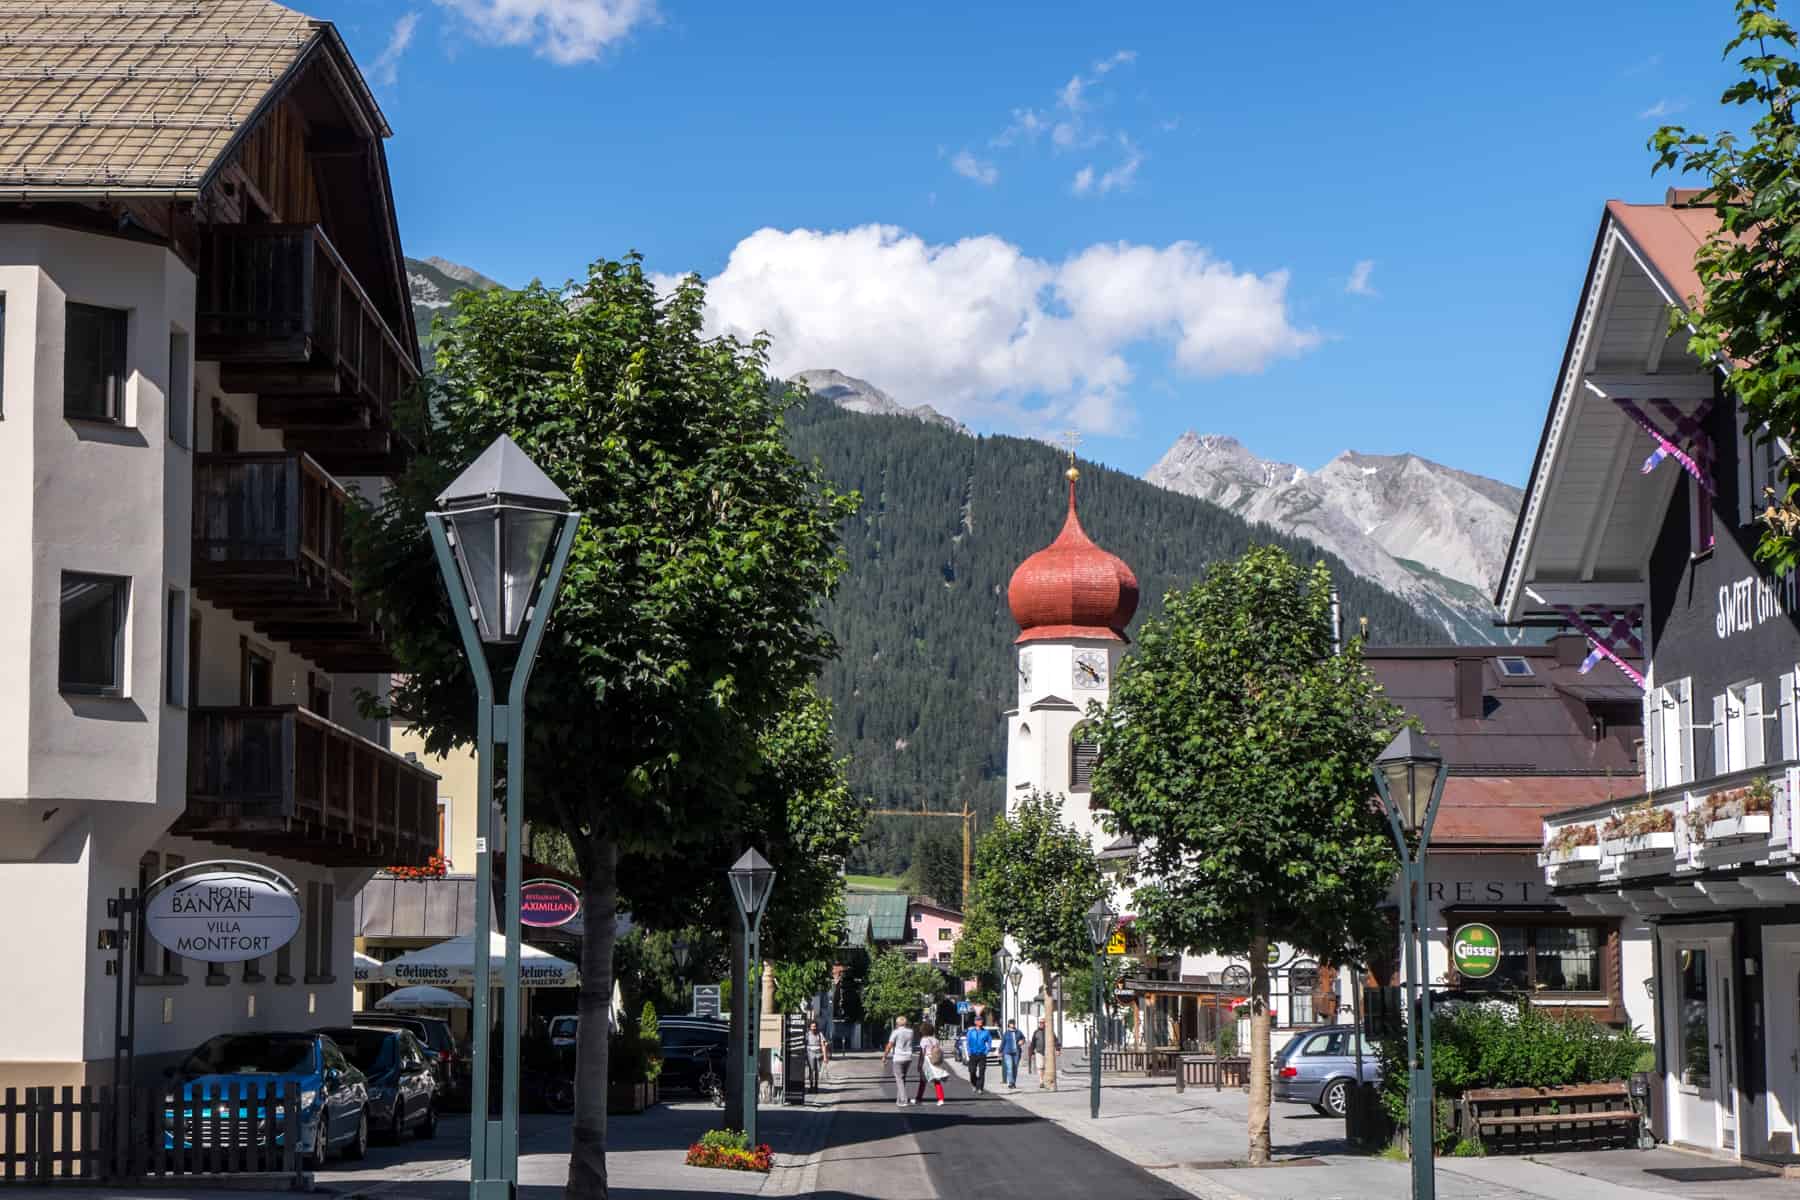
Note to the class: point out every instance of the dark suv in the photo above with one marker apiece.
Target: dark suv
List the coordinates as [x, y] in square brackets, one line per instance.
[449, 1066]
[690, 1045]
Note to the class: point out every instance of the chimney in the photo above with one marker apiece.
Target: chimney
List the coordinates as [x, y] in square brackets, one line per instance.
[1470, 698]
[1571, 649]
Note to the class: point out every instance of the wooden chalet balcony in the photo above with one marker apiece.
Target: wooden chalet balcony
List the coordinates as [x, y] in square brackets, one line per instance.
[270, 547]
[283, 781]
[286, 319]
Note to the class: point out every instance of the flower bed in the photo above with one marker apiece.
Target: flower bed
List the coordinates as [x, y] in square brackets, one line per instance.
[729, 1150]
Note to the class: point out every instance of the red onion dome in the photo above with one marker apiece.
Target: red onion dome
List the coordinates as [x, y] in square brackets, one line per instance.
[1072, 588]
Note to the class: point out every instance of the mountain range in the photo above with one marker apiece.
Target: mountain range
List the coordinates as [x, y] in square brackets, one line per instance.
[1432, 534]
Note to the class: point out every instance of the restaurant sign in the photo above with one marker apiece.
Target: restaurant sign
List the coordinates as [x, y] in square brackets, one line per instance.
[1475, 949]
[547, 903]
[222, 912]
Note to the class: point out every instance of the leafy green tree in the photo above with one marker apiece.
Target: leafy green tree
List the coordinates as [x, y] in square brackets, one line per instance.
[689, 609]
[898, 987]
[1748, 314]
[1037, 878]
[797, 983]
[981, 939]
[1237, 751]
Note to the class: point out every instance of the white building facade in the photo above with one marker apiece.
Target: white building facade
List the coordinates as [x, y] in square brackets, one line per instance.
[184, 649]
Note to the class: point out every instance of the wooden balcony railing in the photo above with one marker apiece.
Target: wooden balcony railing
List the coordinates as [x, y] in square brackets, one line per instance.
[288, 320]
[270, 545]
[280, 780]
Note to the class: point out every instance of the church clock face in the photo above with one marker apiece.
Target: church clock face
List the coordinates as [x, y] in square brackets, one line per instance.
[1025, 671]
[1090, 670]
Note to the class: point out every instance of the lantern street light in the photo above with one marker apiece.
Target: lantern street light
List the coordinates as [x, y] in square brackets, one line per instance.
[679, 948]
[502, 534]
[752, 879]
[1099, 926]
[1409, 775]
[1005, 959]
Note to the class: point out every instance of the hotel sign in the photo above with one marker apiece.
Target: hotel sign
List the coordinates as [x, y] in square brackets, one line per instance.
[222, 912]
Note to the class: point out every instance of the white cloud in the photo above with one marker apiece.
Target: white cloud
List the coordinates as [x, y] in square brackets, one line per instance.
[981, 330]
[1662, 108]
[970, 167]
[1118, 179]
[1358, 284]
[1068, 120]
[1070, 95]
[385, 69]
[564, 31]
[1118, 58]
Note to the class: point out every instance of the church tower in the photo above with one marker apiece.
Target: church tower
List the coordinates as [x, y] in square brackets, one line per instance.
[1072, 601]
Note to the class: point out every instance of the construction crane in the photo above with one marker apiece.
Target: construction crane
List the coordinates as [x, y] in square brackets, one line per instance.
[967, 817]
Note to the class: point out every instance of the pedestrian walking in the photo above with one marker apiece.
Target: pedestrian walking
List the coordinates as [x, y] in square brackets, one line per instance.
[931, 1063]
[899, 1052]
[818, 1053]
[1036, 1049]
[1012, 1043]
[980, 1040]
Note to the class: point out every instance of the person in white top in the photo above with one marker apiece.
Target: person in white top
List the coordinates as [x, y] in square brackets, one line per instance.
[931, 1063]
[899, 1052]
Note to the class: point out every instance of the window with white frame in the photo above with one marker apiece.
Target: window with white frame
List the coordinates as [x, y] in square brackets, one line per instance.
[1787, 705]
[91, 650]
[175, 649]
[1762, 456]
[1737, 728]
[94, 363]
[1669, 729]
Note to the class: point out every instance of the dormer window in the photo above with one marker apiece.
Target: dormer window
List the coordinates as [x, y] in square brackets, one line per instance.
[1514, 667]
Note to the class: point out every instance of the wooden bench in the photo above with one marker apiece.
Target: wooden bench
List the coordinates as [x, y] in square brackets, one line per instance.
[1544, 1118]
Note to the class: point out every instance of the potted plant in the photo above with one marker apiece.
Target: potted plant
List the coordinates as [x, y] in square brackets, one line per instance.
[1641, 829]
[1571, 843]
[1743, 812]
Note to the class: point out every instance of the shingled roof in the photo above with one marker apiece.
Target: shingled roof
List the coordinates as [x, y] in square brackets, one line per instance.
[137, 95]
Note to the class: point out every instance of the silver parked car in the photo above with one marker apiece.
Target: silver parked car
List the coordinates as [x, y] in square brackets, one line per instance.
[1318, 1068]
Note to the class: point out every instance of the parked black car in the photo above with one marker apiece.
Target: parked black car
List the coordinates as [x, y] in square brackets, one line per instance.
[402, 1086]
[690, 1046]
[449, 1065]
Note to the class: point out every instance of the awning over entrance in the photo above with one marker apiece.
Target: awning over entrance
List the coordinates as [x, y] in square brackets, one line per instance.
[452, 963]
[420, 909]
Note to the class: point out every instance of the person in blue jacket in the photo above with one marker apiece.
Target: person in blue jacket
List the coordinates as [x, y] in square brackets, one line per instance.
[1012, 1045]
[979, 1040]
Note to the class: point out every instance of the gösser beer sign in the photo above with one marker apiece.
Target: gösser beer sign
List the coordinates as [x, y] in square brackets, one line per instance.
[1475, 949]
[222, 912]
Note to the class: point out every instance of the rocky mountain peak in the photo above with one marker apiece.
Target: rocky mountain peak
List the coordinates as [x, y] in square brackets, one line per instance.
[1426, 531]
[859, 395]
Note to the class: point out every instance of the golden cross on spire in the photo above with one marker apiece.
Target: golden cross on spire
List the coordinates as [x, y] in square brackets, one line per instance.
[1069, 439]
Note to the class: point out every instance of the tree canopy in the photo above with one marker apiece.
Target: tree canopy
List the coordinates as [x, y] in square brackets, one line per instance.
[1037, 877]
[1237, 751]
[898, 987]
[1748, 312]
[689, 612]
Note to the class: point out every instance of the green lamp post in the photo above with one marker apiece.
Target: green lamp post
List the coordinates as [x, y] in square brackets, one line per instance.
[502, 533]
[1099, 926]
[752, 879]
[1409, 775]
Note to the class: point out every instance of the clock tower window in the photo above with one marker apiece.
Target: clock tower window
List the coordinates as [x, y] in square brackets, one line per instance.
[1084, 752]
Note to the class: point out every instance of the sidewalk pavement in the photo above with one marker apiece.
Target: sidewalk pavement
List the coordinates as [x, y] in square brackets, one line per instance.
[1197, 1141]
[644, 1161]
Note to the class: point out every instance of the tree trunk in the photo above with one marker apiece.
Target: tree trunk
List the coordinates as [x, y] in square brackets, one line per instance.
[599, 906]
[740, 1015]
[1048, 1078]
[1259, 1044]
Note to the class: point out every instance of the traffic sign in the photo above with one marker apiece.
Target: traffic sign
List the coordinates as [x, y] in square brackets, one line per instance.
[962, 1006]
[1116, 943]
[706, 1000]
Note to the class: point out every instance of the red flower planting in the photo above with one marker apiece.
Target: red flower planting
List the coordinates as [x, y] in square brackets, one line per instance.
[729, 1159]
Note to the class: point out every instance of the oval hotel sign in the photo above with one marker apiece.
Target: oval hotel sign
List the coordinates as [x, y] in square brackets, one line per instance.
[1475, 949]
[222, 912]
[547, 903]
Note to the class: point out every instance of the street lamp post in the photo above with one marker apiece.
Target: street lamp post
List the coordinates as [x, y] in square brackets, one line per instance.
[1005, 957]
[502, 534]
[752, 879]
[1099, 927]
[680, 950]
[1410, 777]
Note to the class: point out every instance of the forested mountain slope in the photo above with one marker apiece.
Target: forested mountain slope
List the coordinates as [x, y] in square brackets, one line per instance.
[926, 667]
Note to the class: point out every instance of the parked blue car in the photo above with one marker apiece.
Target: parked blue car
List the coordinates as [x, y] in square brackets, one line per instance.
[334, 1095]
[1318, 1067]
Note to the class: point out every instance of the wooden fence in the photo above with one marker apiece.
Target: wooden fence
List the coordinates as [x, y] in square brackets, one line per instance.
[68, 1134]
[1195, 1070]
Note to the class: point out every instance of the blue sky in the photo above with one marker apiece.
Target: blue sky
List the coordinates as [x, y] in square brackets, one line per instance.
[1311, 226]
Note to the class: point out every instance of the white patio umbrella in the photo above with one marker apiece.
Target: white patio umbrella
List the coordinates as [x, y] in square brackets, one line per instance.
[368, 969]
[421, 997]
[452, 962]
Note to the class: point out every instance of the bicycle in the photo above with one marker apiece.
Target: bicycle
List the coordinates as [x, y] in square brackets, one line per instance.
[711, 1085]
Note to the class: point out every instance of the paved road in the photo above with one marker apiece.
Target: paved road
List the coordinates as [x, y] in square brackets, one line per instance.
[973, 1148]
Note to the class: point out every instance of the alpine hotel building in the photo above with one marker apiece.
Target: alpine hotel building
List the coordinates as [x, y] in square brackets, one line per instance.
[1638, 530]
[205, 329]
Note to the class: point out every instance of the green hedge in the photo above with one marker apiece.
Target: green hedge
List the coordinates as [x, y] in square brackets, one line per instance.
[1494, 1045]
